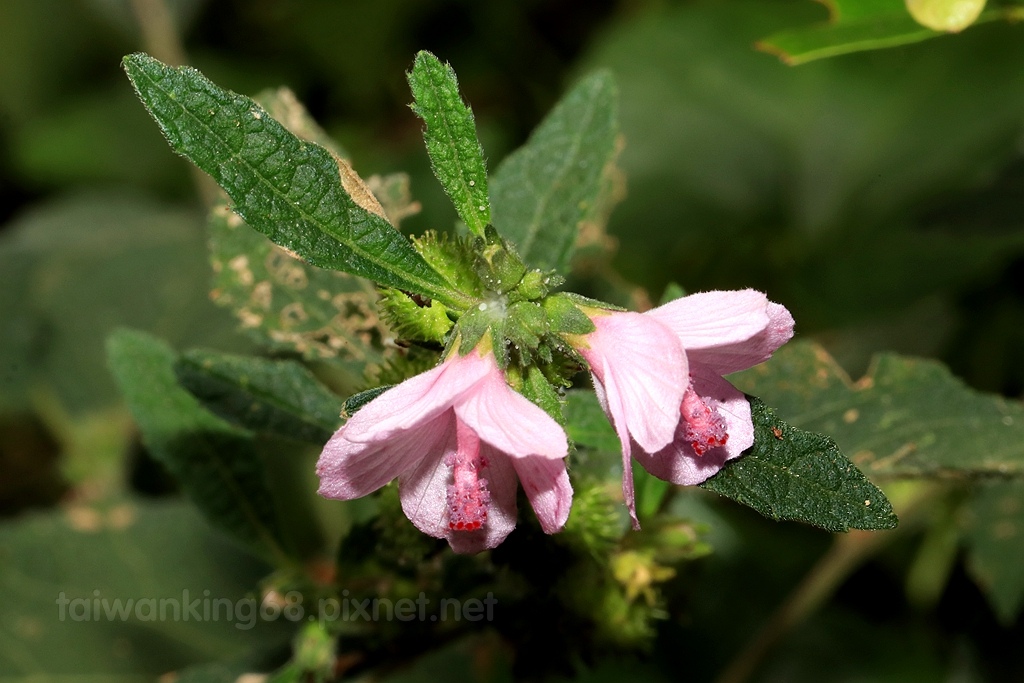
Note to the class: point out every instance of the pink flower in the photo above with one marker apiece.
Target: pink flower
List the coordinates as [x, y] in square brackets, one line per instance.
[458, 439]
[658, 376]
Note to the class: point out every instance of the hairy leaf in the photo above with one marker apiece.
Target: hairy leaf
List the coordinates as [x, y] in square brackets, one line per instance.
[906, 417]
[455, 152]
[995, 542]
[291, 305]
[792, 474]
[288, 189]
[215, 463]
[787, 474]
[545, 192]
[276, 396]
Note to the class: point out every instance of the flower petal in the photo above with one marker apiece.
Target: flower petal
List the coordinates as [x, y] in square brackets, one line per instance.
[349, 469]
[628, 492]
[677, 462]
[547, 486]
[424, 490]
[417, 399]
[727, 331]
[424, 500]
[508, 421]
[501, 513]
[643, 372]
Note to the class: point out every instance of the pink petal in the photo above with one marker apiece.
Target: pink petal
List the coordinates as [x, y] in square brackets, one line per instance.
[424, 490]
[547, 486]
[727, 331]
[678, 463]
[508, 421]
[643, 373]
[350, 470]
[417, 399]
[628, 492]
[424, 500]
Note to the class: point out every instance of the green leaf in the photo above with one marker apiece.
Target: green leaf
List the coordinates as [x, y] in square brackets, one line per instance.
[792, 474]
[286, 188]
[545, 191]
[215, 463]
[995, 541]
[538, 389]
[356, 401]
[906, 417]
[285, 108]
[291, 305]
[787, 473]
[856, 25]
[276, 396]
[135, 550]
[455, 152]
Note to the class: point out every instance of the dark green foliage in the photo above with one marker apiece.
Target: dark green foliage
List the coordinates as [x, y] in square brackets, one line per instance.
[907, 417]
[544, 192]
[450, 134]
[215, 463]
[286, 188]
[277, 396]
[792, 474]
[143, 554]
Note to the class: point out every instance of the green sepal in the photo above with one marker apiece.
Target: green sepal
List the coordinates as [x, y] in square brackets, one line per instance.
[450, 135]
[532, 287]
[453, 257]
[565, 317]
[497, 263]
[538, 389]
[544, 354]
[412, 321]
[525, 325]
[472, 326]
[586, 301]
[499, 346]
[354, 402]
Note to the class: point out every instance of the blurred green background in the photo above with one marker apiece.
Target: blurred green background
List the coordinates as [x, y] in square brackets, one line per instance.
[876, 195]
